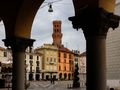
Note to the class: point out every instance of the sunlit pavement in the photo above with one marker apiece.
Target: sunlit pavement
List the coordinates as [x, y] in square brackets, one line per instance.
[46, 85]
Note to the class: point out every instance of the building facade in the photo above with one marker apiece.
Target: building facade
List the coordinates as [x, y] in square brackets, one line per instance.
[33, 63]
[5, 62]
[66, 64]
[65, 57]
[76, 57]
[49, 61]
[113, 54]
[5, 55]
[82, 69]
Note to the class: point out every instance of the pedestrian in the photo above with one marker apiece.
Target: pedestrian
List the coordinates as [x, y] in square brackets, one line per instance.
[53, 80]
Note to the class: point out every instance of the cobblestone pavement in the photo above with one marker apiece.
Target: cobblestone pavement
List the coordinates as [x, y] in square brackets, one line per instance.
[46, 85]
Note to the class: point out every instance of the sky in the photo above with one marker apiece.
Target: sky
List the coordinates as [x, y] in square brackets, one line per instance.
[42, 27]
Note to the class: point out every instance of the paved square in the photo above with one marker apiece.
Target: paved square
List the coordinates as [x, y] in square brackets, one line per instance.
[46, 85]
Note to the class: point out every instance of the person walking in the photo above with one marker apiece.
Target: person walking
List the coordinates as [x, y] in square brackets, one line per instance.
[53, 80]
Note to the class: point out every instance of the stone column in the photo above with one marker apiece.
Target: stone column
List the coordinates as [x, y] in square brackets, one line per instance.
[18, 47]
[95, 24]
[34, 74]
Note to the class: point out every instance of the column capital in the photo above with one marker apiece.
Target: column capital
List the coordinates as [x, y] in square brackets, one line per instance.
[18, 43]
[95, 22]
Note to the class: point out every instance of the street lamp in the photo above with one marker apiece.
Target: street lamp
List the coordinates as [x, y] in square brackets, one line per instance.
[50, 8]
[50, 5]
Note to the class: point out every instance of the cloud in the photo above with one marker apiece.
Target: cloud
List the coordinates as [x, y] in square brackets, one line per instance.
[2, 34]
[43, 28]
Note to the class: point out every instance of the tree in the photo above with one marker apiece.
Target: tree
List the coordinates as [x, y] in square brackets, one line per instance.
[76, 83]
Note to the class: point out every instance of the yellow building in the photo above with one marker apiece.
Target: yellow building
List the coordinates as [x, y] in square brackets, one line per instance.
[5, 55]
[49, 61]
[5, 60]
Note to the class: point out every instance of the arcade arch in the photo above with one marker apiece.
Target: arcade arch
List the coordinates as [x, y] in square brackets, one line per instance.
[18, 25]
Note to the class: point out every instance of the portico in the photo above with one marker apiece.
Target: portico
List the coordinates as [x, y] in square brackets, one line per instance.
[95, 17]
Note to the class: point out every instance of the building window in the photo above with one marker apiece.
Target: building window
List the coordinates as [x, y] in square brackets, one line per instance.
[65, 56]
[50, 59]
[47, 59]
[65, 68]
[59, 59]
[54, 60]
[37, 70]
[59, 54]
[37, 57]
[30, 62]
[70, 61]
[5, 54]
[64, 60]
[57, 30]
[59, 68]
[31, 57]
[76, 59]
[69, 56]
[37, 62]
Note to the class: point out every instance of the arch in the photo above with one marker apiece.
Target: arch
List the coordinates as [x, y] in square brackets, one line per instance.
[42, 76]
[30, 76]
[60, 76]
[37, 77]
[18, 23]
[65, 75]
[69, 76]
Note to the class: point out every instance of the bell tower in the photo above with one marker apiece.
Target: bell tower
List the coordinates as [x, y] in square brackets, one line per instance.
[57, 35]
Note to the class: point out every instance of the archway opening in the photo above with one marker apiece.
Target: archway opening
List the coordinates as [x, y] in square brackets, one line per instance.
[42, 31]
[5, 59]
